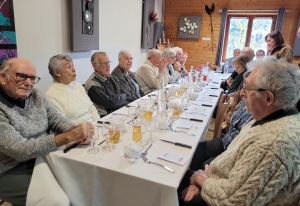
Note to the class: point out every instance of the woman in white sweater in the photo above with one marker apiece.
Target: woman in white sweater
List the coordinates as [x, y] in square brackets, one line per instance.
[67, 95]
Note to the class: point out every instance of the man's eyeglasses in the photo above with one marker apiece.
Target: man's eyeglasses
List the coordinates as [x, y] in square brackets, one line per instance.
[247, 88]
[105, 63]
[174, 58]
[22, 78]
[129, 58]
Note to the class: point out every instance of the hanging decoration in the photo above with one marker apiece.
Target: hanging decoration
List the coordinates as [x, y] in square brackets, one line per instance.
[209, 11]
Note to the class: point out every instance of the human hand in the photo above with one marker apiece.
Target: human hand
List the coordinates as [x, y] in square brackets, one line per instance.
[229, 81]
[189, 192]
[85, 142]
[177, 66]
[162, 65]
[199, 177]
[82, 132]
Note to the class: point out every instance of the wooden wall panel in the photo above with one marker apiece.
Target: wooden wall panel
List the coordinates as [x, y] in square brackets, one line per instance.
[201, 51]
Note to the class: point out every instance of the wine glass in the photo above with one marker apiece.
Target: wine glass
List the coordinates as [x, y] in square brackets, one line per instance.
[176, 110]
[153, 98]
[131, 113]
[137, 131]
[93, 149]
[148, 112]
[151, 125]
[108, 132]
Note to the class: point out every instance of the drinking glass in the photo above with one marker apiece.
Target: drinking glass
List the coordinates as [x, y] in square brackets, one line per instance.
[153, 98]
[176, 110]
[131, 113]
[93, 149]
[141, 109]
[151, 125]
[107, 133]
[137, 131]
[117, 127]
[148, 112]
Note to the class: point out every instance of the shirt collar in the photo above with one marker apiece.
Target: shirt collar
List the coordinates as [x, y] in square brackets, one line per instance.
[103, 79]
[276, 115]
[10, 102]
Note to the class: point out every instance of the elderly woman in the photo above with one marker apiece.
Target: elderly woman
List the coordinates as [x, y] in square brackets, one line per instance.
[261, 166]
[277, 47]
[67, 95]
[183, 59]
[173, 68]
[239, 64]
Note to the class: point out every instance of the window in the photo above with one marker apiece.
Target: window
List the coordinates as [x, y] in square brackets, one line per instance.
[247, 30]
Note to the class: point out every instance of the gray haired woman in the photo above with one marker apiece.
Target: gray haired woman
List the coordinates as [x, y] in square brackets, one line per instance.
[67, 95]
[173, 68]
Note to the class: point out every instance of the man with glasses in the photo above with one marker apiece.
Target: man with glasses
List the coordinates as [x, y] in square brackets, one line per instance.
[104, 89]
[25, 117]
[261, 166]
[151, 75]
[125, 76]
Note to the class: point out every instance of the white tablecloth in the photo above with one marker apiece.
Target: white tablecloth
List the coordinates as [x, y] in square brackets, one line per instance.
[108, 179]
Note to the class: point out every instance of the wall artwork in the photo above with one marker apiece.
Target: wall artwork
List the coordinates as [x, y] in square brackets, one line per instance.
[189, 27]
[8, 43]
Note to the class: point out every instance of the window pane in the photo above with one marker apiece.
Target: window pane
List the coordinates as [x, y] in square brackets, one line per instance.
[237, 35]
[260, 28]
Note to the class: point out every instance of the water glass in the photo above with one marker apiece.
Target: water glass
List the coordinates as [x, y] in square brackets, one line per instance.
[151, 126]
[93, 149]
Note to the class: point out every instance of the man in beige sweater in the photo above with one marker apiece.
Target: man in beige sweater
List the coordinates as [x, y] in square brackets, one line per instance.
[262, 164]
[152, 74]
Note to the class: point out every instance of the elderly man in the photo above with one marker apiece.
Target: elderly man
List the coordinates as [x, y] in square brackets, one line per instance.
[260, 54]
[179, 54]
[125, 76]
[173, 68]
[235, 53]
[152, 74]
[25, 117]
[105, 90]
[261, 166]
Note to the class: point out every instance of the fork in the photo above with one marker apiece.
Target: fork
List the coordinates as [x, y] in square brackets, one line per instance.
[150, 162]
[195, 113]
[173, 130]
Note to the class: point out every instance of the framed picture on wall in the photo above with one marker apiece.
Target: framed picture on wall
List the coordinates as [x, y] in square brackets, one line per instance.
[189, 27]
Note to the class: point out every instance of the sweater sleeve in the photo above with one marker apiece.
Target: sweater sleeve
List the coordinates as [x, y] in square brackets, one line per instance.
[254, 179]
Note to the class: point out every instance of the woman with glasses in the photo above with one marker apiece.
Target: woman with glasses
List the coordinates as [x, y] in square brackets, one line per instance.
[67, 95]
[173, 67]
[239, 64]
[277, 47]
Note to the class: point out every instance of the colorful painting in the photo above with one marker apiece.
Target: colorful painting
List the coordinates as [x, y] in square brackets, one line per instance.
[8, 43]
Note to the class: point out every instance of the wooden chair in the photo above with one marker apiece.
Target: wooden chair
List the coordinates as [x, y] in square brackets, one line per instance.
[221, 101]
[221, 116]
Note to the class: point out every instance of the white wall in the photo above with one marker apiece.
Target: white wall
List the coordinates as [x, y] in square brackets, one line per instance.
[42, 29]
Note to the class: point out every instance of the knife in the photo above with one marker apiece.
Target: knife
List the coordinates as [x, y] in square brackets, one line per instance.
[177, 143]
[101, 122]
[206, 105]
[192, 119]
[67, 149]
[214, 88]
[211, 95]
[101, 142]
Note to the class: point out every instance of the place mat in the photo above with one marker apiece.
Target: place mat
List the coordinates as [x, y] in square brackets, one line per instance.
[174, 158]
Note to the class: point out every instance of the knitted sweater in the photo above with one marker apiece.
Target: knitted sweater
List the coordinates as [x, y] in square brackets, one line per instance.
[24, 130]
[149, 79]
[72, 101]
[261, 166]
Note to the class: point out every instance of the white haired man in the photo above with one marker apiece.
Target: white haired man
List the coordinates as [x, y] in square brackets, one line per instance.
[261, 165]
[25, 117]
[125, 76]
[151, 75]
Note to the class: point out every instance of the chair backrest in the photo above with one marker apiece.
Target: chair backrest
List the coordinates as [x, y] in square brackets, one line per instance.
[236, 100]
[221, 116]
[221, 101]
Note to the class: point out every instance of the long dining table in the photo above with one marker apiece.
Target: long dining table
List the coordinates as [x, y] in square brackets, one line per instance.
[79, 178]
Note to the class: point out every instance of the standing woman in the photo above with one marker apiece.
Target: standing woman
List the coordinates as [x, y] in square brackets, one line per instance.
[239, 65]
[67, 95]
[277, 47]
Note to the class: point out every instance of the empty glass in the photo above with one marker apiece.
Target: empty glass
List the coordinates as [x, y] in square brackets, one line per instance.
[131, 113]
[93, 149]
[151, 126]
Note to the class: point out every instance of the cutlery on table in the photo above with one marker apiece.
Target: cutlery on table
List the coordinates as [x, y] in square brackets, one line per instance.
[150, 162]
[120, 114]
[101, 142]
[173, 130]
[189, 112]
[177, 143]
[144, 153]
[192, 119]
[67, 149]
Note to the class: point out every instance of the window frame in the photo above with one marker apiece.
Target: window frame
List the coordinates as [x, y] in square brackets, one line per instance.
[250, 17]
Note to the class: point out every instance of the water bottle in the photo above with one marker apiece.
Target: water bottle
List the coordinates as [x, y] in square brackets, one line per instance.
[205, 71]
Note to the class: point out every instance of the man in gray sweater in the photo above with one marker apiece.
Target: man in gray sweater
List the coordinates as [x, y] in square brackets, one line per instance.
[25, 117]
